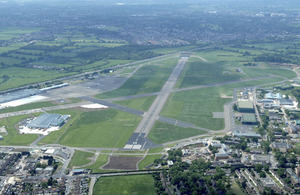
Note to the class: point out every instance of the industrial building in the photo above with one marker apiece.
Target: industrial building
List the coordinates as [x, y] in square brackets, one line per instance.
[54, 87]
[245, 134]
[245, 107]
[286, 102]
[273, 96]
[46, 121]
[249, 119]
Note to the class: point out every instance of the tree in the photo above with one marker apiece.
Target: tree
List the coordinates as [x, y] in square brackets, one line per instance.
[262, 174]
[258, 167]
[266, 146]
[281, 172]
[243, 145]
[50, 181]
[254, 139]
[266, 168]
[282, 160]
[235, 108]
[261, 131]
[293, 159]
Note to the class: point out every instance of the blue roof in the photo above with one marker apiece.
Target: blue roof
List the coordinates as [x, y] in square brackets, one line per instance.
[77, 170]
[273, 96]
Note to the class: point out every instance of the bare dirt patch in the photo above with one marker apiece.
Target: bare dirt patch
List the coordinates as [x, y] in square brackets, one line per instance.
[122, 163]
[226, 96]
[218, 114]
[3, 130]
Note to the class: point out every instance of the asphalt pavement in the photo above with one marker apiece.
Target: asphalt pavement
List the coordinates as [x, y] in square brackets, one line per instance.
[152, 114]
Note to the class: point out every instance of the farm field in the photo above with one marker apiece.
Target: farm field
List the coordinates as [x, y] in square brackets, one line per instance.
[80, 158]
[162, 133]
[18, 76]
[13, 137]
[139, 103]
[146, 80]
[104, 128]
[134, 185]
[68, 53]
[172, 49]
[149, 159]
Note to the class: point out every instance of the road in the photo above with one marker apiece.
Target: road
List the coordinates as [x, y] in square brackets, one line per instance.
[92, 183]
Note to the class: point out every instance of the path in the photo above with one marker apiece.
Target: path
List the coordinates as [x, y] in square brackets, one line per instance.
[92, 184]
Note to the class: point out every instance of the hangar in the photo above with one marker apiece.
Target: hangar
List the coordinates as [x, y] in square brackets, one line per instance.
[46, 121]
[246, 107]
[249, 119]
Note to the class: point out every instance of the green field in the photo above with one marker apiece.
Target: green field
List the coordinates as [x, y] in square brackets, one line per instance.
[21, 76]
[139, 103]
[254, 72]
[162, 133]
[146, 80]
[197, 72]
[96, 167]
[10, 61]
[197, 107]
[172, 49]
[149, 159]
[134, 185]
[232, 58]
[155, 150]
[80, 158]
[105, 128]
[13, 137]
[235, 188]
[12, 32]
[54, 136]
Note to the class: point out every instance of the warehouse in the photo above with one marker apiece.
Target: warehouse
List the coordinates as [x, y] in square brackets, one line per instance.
[247, 134]
[249, 119]
[286, 102]
[46, 121]
[273, 96]
[245, 107]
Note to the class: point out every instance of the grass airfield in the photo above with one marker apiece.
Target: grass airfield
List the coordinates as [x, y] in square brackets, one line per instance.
[111, 128]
